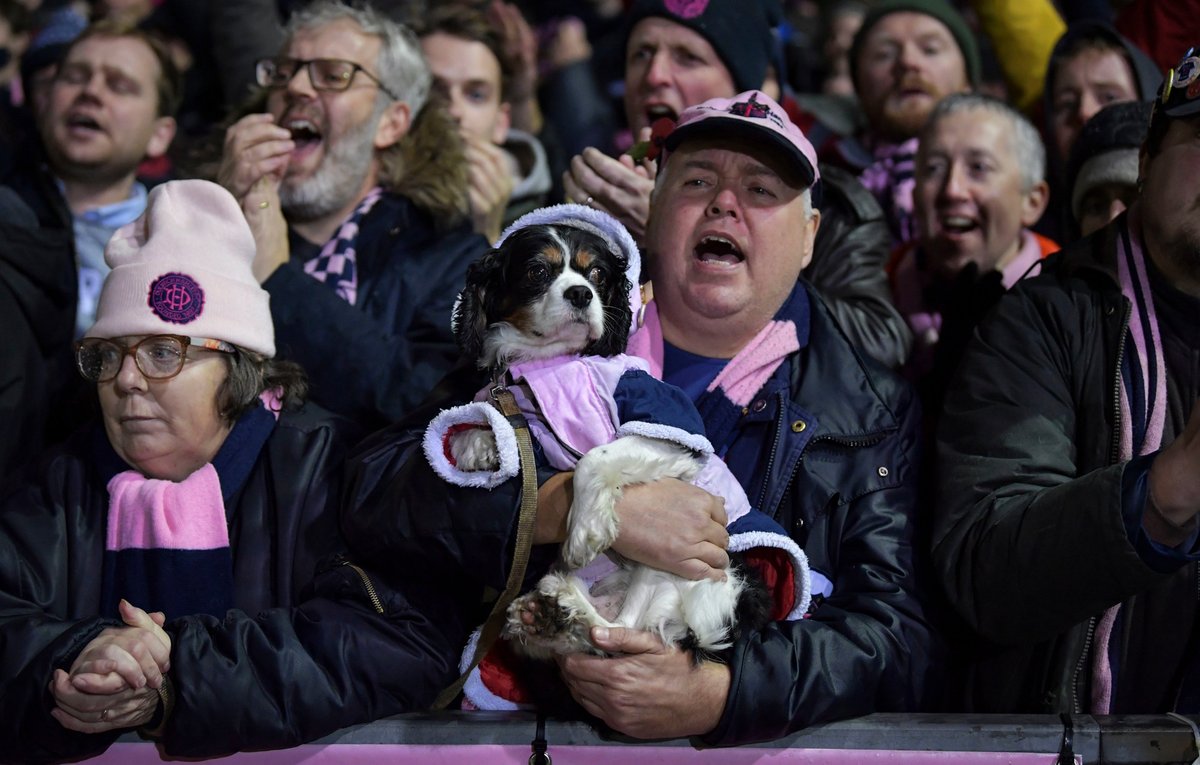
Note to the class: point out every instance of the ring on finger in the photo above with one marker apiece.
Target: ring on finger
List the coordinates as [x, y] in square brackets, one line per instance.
[589, 200]
[104, 715]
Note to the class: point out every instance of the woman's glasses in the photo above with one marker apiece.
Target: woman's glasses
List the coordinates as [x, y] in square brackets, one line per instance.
[158, 357]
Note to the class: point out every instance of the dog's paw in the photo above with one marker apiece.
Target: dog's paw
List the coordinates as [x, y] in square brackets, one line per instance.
[475, 449]
[555, 618]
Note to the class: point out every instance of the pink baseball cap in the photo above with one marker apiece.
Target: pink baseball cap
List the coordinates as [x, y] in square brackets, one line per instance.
[753, 115]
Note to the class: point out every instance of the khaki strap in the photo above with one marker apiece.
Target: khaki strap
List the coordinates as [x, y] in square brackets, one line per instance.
[503, 399]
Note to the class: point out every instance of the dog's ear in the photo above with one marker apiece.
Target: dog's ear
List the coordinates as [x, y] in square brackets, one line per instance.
[470, 314]
[617, 312]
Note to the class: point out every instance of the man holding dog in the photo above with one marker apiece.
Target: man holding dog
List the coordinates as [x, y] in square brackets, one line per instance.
[822, 440]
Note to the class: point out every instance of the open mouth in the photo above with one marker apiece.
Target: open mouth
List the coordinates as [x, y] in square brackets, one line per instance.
[955, 225]
[82, 122]
[718, 249]
[305, 134]
[658, 111]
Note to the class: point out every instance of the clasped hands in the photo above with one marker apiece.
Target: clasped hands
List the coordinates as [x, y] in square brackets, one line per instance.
[113, 683]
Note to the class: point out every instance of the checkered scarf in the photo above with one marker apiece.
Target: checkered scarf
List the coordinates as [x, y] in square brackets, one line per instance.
[890, 179]
[336, 265]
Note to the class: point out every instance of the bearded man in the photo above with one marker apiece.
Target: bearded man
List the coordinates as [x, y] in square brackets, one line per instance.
[363, 240]
[907, 56]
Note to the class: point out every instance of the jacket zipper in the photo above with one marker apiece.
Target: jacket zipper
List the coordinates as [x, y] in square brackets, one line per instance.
[366, 580]
[1113, 456]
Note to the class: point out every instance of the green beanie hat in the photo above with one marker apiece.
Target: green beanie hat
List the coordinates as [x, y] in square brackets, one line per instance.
[938, 9]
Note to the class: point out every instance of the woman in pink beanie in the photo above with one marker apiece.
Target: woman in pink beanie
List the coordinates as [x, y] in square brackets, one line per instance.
[151, 568]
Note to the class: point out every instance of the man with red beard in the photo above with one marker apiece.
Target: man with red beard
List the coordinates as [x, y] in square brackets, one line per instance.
[907, 56]
[980, 184]
[358, 203]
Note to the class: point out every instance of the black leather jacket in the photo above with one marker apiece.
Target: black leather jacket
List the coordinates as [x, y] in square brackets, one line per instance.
[847, 268]
[1029, 536]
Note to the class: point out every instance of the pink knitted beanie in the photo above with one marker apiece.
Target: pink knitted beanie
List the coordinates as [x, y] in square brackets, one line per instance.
[183, 268]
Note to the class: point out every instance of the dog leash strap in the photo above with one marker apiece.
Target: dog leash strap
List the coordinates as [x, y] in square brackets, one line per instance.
[503, 399]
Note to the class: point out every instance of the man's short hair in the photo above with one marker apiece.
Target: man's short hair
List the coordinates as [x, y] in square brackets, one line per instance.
[169, 84]
[401, 67]
[471, 24]
[1026, 142]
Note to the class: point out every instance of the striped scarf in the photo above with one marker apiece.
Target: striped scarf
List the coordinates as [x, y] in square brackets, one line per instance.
[337, 265]
[167, 543]
[1143, 402]
[890, 179]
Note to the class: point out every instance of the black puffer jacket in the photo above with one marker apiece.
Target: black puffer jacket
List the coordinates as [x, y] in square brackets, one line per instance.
[375, 360]
[847, 268]
[243, 682]
[844, 488]
[1029, 536]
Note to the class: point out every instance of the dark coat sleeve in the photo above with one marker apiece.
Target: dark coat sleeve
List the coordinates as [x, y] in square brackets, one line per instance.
[867, 647]
[38, 628]
[1027, 540]
[848, 269]
[374, 363]
[346, 655]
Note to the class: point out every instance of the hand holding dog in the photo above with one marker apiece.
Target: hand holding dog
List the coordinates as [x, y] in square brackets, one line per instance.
[647, 689]
[674, 526]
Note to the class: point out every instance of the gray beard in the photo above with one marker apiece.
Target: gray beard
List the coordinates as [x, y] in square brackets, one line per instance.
[338, 178]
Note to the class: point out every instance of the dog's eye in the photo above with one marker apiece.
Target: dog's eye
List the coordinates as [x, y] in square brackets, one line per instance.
[537, 273]
[597, 276]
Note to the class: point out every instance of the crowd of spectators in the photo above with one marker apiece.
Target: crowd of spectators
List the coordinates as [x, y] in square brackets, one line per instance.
[929, 271]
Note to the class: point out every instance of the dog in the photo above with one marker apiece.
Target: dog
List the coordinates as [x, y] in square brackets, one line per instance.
[556, 300]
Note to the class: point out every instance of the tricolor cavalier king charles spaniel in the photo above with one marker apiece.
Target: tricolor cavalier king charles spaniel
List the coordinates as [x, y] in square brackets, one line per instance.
[562, 290]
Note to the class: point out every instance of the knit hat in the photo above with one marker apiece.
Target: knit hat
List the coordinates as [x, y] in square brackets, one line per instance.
[1106, 150]
[938, 9]
[738, 31]
[183, 268]
[753, 115]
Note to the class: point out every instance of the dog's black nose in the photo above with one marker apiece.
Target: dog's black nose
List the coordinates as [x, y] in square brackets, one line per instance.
[578, 296]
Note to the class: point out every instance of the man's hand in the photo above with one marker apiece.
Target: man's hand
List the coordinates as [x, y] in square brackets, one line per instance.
[648, 689]
[673, 526]
[490, 186]
[264, 214]
[620, 187]
[521, 49]
[113, 682]
[255, 148]
[1175, 486]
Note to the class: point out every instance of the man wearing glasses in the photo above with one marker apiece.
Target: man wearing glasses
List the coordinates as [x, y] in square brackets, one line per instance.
[356, 192]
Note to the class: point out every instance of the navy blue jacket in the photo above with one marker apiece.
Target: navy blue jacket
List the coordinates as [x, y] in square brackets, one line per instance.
[375, 360]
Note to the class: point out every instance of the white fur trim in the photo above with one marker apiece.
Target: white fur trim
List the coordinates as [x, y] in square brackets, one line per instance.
[474, 688]
[475, 413]
[748, 540]
[693, 441]
[600, 223]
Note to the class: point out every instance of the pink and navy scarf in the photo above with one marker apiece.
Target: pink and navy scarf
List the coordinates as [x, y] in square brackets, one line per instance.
[890, 179]
[337, 265]
[735, 386]
[1143, 402]
[167, 543]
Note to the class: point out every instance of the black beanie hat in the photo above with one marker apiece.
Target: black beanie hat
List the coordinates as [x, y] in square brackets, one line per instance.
[938, 9]
[738, 31]
[1106, 150]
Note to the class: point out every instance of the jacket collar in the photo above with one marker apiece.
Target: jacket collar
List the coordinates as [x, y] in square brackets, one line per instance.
[831, 379]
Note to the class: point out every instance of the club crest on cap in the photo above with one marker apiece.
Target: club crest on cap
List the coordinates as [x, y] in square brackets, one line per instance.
[687, 9]
[176, 298]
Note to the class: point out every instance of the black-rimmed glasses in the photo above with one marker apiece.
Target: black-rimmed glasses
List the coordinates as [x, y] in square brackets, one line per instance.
[323, 73]
[158, 357]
